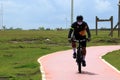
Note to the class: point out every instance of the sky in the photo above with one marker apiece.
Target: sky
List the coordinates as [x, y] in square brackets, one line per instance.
[32, 14]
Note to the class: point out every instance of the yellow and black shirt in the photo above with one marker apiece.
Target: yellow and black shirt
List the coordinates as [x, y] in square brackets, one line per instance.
[79, 30]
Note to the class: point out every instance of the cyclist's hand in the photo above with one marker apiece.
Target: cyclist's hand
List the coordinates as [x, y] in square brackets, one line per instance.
[69, 40]
[88, 39]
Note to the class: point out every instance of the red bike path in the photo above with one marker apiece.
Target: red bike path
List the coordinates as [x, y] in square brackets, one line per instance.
[61, 66]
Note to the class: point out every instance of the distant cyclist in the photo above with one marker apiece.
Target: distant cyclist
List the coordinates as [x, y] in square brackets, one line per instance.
[78, 31]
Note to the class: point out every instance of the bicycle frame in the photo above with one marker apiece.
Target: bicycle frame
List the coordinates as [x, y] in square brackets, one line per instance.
[79, 55]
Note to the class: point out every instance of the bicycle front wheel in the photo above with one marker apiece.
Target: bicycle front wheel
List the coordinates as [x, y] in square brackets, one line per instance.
[79, 67]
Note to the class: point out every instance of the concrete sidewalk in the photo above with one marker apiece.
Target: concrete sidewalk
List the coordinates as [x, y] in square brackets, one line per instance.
[61, 66]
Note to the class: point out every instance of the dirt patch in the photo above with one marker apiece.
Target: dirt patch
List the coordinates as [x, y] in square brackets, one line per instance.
[5, 78]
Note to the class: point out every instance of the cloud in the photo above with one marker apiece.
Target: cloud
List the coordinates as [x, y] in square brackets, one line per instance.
[102, 5]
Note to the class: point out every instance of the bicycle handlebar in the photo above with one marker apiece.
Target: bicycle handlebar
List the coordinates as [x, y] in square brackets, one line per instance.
[81, 40]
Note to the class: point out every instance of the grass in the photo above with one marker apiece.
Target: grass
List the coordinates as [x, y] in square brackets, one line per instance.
[113, 58]
[19, 50]
[103, 39]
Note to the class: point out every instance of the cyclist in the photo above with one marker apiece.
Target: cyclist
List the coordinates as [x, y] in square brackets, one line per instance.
[78, 31]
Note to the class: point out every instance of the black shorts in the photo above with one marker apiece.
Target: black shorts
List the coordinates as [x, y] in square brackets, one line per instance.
[83, 43]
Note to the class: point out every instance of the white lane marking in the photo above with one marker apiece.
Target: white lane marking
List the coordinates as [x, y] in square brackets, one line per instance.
[109, 64]
[42, 69]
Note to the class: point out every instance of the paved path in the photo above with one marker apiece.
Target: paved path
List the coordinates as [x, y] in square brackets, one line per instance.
[61, 66]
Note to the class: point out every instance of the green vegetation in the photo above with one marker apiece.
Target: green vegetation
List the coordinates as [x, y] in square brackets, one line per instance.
[104, 39]
[20, 49]
[113, 58]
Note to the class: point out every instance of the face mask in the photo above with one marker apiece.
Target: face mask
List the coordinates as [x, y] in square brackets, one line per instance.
[79, 23]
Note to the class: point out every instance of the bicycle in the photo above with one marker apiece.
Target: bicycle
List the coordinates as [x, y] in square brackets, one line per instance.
[79, 57]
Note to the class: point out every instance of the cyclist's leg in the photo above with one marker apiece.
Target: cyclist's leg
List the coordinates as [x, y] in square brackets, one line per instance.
[84, 53]
[83, 49]
[74, 48]
[73, 44]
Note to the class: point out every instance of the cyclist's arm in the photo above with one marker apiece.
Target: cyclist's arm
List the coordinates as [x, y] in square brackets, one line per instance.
[88, 32]
[70, 33]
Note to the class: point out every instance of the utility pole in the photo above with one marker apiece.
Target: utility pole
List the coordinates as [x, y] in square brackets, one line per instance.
[1, 15]
[72, 7]
[119, 19]
[66, 22]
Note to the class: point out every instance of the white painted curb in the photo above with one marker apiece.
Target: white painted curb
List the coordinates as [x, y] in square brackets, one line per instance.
[109, 64]
[42, 69]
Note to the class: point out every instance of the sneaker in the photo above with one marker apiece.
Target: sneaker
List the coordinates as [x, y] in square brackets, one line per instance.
[74, 55]
[83, 63]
